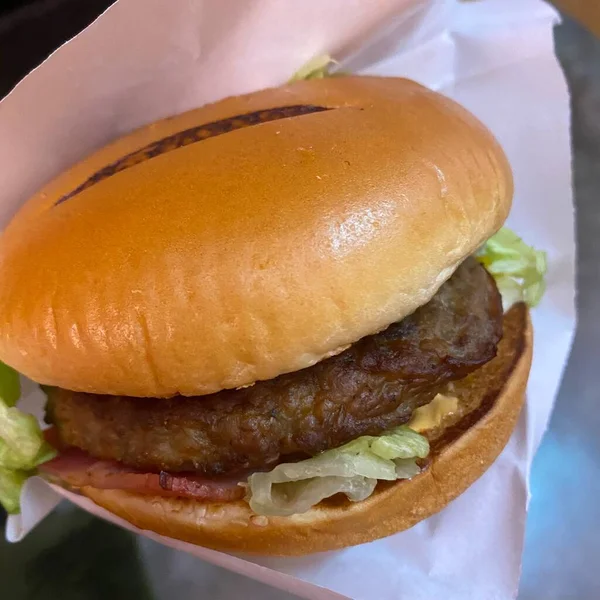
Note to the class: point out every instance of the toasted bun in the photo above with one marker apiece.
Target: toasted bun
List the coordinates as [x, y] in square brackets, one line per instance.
[462, 450]
[195, 265]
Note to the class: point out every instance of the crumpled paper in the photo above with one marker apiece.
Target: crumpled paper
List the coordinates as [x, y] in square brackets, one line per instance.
[145, 59]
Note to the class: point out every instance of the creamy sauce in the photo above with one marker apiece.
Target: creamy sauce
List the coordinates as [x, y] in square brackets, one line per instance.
[431, 415]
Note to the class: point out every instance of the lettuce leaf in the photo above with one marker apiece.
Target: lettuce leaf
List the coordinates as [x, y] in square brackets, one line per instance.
[518, 269]
[11, 483]
[10, 385]
[22, 444]
[317, 68]
[352, 469]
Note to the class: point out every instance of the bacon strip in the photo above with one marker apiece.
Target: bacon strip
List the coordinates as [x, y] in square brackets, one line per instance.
[78, 469]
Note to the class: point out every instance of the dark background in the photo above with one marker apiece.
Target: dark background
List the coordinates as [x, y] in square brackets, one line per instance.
[72, 555]
[31, 30]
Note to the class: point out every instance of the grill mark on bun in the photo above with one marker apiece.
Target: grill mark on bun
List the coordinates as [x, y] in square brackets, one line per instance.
[192, 136]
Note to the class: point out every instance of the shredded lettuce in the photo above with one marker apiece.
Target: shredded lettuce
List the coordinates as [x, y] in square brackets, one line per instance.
[518, 269]
[11, 483]
[10, 385]
[352, 469]
[317, 68]
[22, 444]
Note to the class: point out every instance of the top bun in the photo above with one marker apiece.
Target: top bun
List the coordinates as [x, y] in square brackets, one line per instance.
[199, 263]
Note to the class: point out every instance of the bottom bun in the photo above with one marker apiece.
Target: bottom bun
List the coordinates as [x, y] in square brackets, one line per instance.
[462, 449]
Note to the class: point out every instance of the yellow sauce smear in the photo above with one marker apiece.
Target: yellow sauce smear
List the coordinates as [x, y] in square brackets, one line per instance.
[431, 415]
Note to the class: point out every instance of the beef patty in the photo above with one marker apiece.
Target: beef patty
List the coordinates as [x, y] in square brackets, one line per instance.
[373, 385]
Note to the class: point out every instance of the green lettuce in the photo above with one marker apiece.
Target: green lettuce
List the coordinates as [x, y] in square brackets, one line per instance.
[22, 444]
[317, 68]
[352, 469]
[11, 483]
[10, 385]
[518, 269]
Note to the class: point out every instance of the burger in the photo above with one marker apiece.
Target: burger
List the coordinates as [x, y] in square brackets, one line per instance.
[274, 324]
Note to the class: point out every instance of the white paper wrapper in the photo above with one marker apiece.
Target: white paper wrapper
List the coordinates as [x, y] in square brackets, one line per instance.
[145, 59]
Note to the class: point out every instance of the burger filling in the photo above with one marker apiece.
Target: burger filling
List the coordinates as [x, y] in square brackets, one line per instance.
[339, 426]
[371, 388]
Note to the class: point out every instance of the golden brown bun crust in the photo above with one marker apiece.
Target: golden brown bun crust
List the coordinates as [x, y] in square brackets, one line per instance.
[460, 455]
[253, 253]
